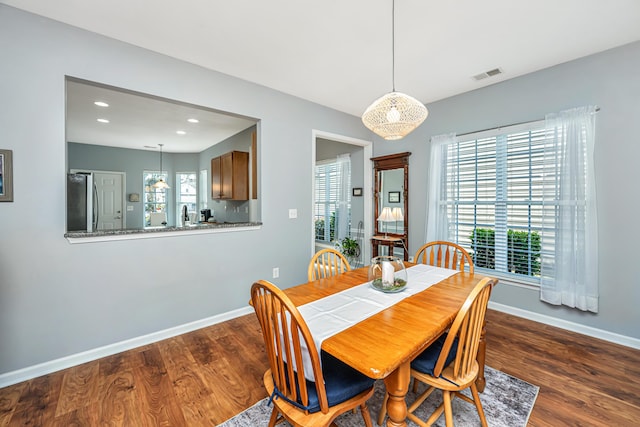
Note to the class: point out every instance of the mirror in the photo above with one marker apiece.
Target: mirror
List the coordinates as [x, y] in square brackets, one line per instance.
[391, 203]
[121, 140]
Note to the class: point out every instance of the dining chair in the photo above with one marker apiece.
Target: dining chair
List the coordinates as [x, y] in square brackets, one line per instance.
[335, 387]
[326, 263]
[449, 364]
[444, 254]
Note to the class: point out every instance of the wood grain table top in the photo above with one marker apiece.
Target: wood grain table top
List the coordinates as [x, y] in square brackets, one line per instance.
[381, 343]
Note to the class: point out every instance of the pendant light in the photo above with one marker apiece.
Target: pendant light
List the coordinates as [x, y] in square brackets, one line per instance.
[394, 115]
[160, 183]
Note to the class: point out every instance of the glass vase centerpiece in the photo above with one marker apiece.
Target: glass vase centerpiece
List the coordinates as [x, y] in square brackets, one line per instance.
[388, 274]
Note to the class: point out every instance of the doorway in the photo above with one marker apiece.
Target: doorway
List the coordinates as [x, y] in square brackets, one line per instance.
[326, 147]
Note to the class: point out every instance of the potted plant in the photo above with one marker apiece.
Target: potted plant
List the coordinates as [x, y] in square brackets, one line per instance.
[349, 248]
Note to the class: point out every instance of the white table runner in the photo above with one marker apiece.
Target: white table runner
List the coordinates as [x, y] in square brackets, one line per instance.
[330, 315]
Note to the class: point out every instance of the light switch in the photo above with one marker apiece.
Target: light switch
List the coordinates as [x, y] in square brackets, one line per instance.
[129, 208]
[293, 213]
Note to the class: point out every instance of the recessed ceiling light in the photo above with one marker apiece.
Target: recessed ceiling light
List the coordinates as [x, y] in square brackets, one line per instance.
[103, 120]
[101, 104]
[181, 132]
[193, 120]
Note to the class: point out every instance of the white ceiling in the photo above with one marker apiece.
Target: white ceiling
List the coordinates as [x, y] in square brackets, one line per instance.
[142, 122]
[338, 52]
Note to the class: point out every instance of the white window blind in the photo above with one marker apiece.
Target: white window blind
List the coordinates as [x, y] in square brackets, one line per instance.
[327, 192]
[495, 199]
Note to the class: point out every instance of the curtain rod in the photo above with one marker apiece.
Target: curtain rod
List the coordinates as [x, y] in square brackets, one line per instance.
[505, 126]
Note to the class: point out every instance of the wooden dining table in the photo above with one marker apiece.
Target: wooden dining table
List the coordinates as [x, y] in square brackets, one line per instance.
[383, 345]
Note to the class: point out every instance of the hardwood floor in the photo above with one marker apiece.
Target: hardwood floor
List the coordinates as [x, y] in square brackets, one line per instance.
[205, 377]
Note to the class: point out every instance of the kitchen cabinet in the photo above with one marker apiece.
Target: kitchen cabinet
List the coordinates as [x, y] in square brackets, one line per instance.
[230, 176]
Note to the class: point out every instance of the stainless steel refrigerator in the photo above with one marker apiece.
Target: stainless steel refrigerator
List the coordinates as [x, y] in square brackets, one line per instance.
[82, 202]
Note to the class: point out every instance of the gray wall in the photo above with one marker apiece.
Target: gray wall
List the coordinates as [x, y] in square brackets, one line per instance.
[610, 80]
[58, 299]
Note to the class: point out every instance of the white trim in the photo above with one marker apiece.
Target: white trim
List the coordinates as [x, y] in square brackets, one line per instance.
[24, 374]
[569, 326]
[507, 279]
[45, 368]
[367, 191]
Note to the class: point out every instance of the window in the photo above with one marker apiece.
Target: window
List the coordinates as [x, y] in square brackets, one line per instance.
[329, 182]
[203, 197]
[155, 199]
[185, 194]
[497, 206]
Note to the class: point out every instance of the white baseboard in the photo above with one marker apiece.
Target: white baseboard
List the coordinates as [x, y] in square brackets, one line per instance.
[45, 368]
[569, 326]
[34, 371]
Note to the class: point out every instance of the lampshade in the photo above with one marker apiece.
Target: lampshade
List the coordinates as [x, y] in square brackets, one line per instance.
[394, 115]
[160, 184]
[386, 215]
[397, 214]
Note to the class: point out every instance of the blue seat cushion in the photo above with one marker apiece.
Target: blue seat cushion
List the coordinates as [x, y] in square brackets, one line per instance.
[426, 361]
[341, 382]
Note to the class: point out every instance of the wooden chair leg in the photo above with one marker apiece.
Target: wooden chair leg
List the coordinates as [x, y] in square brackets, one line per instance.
[274, 417]
[448, 411]
[383, 409]
[366, 416]
[476, 401]
[432, 419]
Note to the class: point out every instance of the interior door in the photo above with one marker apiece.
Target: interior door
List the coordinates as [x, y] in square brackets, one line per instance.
[109, 190]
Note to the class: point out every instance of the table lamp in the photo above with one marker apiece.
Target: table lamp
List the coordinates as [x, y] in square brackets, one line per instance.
[386, 216]
[397, 216]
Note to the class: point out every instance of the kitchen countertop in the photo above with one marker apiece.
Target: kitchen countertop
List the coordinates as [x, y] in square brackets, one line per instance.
[152, 232]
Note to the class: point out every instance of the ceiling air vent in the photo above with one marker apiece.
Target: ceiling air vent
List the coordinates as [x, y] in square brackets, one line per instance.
[487, 74]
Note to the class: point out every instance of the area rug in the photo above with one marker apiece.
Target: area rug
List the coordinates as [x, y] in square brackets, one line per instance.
[507, 402]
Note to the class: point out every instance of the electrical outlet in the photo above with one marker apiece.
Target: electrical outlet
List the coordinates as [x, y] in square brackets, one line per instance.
[276, 272]
[293, 213]
[410, 259]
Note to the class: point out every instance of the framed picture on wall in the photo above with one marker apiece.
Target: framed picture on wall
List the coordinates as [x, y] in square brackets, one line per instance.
[6, 176]
[357, 192]
[394, 197]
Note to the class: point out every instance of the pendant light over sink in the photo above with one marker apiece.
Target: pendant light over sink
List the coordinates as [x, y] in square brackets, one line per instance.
[160, 182]
[394, 115]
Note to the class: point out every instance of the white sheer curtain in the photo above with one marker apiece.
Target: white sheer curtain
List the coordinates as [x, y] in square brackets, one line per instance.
[344, 185]
[570, 276]
[437, 225]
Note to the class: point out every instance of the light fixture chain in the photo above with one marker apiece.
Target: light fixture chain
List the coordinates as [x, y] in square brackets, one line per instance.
[393, 45]
[394, 115]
